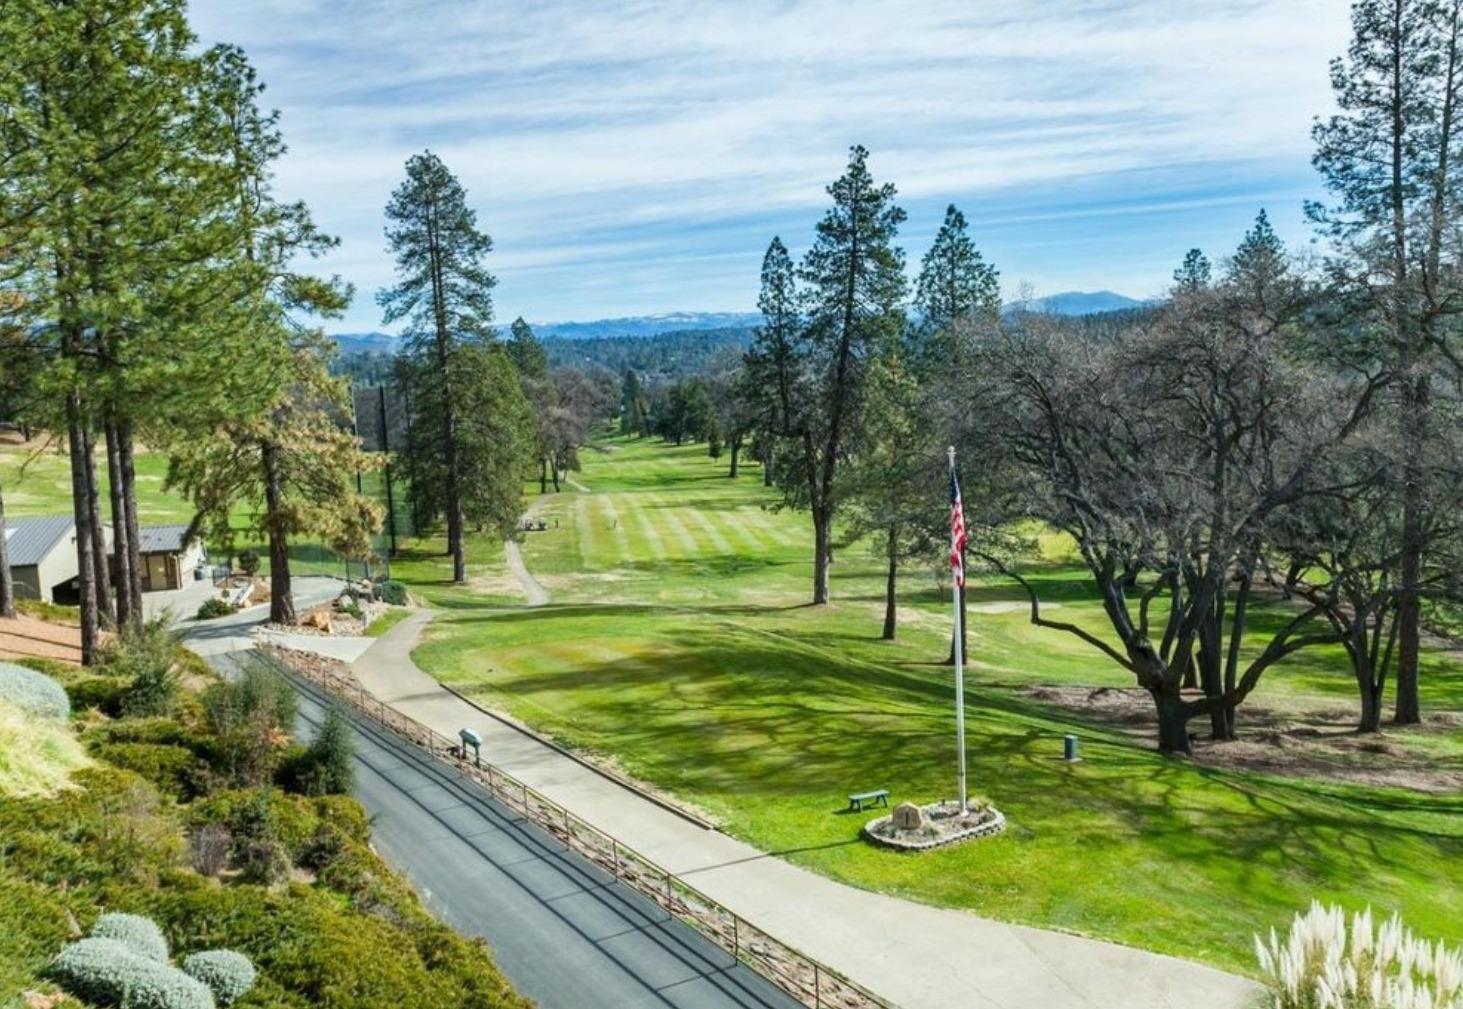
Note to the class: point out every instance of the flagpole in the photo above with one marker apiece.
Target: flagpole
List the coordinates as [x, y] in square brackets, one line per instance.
[959, 671]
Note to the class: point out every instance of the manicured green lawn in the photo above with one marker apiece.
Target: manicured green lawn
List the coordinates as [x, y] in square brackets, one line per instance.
[678, 642]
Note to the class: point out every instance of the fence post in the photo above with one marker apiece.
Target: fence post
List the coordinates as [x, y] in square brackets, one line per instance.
[615, 854]
[817, 987]
[736, 939]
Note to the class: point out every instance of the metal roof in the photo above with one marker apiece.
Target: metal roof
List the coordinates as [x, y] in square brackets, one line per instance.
[162, 539]
[29, 541]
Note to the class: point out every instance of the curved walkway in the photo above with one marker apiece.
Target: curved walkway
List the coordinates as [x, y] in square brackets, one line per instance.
[534, 593]
[920, 957]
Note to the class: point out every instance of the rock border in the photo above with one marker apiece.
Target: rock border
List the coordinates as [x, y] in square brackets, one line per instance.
[994, 823]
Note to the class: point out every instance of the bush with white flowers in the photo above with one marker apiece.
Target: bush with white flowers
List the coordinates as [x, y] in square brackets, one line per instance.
[228, 974]
[1326, 963]
[33, 692]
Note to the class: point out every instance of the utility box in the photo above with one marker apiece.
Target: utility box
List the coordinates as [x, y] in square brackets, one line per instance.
[1069, 748]
[472, 739]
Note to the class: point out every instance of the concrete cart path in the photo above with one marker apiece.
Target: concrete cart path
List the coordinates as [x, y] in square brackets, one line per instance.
[918, 956]
[563, 930]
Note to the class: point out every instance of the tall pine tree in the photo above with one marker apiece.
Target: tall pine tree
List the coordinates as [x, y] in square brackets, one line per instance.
[444, 295]
[1390, 159]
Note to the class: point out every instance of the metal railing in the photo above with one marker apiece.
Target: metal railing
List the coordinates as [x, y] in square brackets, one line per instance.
[809, 981]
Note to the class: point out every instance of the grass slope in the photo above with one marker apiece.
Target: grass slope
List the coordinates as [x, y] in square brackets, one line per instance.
[679, 643]
[37, 755]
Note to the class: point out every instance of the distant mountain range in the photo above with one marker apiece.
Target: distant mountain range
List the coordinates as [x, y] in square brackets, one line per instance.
[1076, 303]
[1065, 303]
[647, 325]
[367, 343]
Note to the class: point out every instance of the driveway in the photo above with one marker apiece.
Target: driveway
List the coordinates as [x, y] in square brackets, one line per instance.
[235, 632]
[565, 932]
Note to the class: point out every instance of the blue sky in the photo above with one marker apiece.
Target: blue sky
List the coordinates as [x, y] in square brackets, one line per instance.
[634, 158]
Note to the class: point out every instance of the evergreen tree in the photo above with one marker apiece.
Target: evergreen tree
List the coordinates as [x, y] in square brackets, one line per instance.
[106, 103]
[526, 352]
[772, 366]
[1390, 159]
[1193, 274]
[853, 288]
[444, 295]
[328, 764]
[954, 281]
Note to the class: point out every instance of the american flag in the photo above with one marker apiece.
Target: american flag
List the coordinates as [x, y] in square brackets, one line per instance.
[957, 529]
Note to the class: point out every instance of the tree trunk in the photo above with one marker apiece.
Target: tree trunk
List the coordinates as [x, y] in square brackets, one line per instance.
[554, 469]
[1173, 722]
[281, 595]
[820, 557]
[543, 475]
[1371, 699]
[7, 585]
[1409, 608]
[100, 565]
[767, 469]
[81, 515]
[889, 607]
[119, 526]
[736, 452]
[129, 506]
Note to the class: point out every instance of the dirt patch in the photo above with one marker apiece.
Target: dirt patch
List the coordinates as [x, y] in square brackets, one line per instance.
[26, 637]
[1310, 743]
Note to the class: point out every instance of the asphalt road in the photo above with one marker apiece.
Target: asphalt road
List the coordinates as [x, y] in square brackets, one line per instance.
[565, 932]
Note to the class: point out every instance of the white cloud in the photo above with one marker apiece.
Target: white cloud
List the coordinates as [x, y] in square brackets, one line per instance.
[586, 131]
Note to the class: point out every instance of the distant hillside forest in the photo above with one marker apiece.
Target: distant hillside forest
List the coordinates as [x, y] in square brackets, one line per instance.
[663, 356]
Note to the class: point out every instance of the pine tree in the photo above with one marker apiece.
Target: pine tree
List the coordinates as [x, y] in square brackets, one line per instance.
[527, 354]
[444, 294]
[1390, 159]
[853, 288]
[1194, 274]
[275, 443]
[103, 104]
[329, 761]
[954, 281]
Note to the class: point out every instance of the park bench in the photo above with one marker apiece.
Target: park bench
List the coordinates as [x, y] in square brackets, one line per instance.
[878, 797]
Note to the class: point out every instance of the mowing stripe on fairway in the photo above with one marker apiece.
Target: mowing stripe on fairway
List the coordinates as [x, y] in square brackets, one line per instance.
[587, 538]
[718, 542]
[651, 535]
[751, 528]
[768, 526]
[614, 532]
[669, 517]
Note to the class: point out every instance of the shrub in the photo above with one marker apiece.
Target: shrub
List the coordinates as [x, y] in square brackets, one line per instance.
[107, 972]
[326, 766]
[33, 692]
[175, 770]
[101, 692]
[392, 592]
[215, 607]
[250, 719]
[140, 935]
[249, 562]
[227, 974]
[350, 608]
[144, 655]
[1324, 965]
